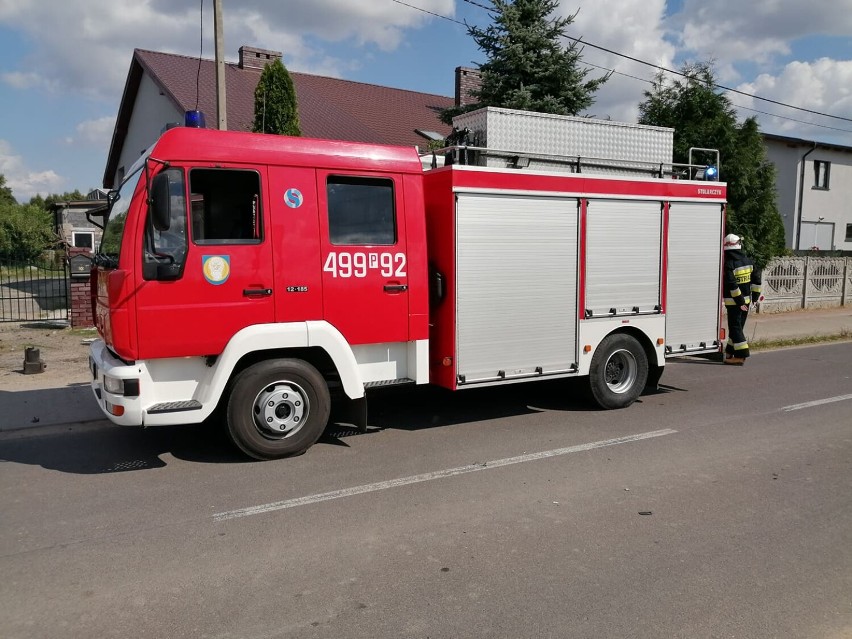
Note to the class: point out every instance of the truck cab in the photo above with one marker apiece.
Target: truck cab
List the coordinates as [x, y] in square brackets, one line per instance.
[223, 246]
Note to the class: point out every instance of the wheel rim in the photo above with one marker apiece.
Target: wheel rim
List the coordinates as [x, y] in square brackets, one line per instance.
[621, 371]
[280, 410]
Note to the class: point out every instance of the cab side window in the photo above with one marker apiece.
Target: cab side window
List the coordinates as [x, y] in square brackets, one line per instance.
[361, 211]
[225, 206]
[165, 248]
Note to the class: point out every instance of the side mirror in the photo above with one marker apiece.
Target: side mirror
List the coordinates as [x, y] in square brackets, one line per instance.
[160, 200]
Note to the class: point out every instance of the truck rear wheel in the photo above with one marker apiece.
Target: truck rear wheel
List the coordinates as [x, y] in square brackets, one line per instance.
[277, 408]
[619, 371]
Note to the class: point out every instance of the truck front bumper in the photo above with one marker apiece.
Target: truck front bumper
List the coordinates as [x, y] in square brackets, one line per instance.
[116, 386]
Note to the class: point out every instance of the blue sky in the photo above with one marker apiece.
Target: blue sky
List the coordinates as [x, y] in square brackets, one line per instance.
[63, 65]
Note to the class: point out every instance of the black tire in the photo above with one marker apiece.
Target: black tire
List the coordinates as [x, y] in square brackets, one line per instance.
[277, 408]
[619, 371]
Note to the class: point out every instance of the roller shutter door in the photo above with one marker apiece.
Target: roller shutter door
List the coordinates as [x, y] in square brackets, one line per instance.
[516, 275]
[623, 240]
[694, 275]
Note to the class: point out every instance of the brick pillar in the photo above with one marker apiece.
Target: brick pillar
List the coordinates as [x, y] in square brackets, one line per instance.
[80, 291]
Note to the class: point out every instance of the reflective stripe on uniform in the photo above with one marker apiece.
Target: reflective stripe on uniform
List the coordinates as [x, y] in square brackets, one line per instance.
[743, 274]
[740, 346]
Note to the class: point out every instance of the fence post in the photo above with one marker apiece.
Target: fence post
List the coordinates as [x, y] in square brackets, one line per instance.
[847, 281]
[806, 287]
[80, 315]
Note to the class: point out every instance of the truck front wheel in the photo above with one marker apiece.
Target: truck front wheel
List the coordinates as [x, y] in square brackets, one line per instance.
[277, 408]
[619, 371]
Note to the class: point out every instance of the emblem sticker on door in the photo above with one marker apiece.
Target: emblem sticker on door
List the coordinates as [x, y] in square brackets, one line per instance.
[217, 268]
[293, 198]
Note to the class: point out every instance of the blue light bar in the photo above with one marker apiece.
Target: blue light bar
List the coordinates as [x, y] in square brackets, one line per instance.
[711, 173]
[195, 119]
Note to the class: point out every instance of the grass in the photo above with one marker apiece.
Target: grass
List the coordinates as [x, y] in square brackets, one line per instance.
[770, 344]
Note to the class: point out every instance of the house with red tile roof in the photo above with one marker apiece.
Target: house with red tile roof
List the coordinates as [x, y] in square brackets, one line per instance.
[161, 87]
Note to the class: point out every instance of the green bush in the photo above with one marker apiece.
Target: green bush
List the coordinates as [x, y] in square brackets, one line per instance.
[25, 231]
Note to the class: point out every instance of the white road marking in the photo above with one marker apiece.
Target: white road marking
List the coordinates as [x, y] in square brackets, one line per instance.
[818, 402]
[439, 474]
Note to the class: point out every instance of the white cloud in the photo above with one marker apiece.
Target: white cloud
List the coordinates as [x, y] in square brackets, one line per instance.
[733, 30]
[30, 80]
[25, 182]
[378, 23]
[95, 133]
[824, 86]
[93, 57]
[638, 33]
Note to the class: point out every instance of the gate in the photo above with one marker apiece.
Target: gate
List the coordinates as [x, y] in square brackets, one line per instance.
[34, 291]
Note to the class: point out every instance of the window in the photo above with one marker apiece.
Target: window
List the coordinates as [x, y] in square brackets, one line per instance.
[165, 248]
[225, 206]
[822, 172]
[361, 211]
[83, 239]
[848, 233]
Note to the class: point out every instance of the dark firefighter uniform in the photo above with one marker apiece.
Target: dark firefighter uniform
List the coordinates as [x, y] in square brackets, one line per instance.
[742, 287]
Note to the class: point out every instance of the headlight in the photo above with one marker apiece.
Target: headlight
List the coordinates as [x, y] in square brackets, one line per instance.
[113, 385]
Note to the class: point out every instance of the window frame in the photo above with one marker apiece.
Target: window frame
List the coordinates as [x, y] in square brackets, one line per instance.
[261, 230]
[151, 257]
[354, 180]
[826, 175]
[91, 234]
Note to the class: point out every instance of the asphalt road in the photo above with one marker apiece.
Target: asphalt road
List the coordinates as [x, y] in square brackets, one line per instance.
[720, 507]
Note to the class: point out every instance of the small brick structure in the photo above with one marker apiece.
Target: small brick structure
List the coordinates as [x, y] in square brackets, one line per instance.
[80, 291]
[467, 82]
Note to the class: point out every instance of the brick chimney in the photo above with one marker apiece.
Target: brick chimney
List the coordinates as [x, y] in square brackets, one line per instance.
[467, 81]
[254, 58]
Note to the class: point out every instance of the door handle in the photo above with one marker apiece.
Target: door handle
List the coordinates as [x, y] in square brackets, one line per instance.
[395, 288]
[257, 292]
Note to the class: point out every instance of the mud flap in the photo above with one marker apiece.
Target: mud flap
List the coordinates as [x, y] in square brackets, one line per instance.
[654, 375]
[351, 412]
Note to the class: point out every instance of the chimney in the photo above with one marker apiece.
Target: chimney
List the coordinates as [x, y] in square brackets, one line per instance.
[254, 58]
[467, 81]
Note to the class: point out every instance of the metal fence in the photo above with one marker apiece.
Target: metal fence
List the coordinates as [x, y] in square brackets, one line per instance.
[793, 283]
[34, 291]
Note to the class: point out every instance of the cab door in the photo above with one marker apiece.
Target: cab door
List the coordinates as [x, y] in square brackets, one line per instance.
[209, 274]
[364, 257]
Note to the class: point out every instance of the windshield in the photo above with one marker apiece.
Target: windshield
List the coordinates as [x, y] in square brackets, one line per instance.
[110, 247]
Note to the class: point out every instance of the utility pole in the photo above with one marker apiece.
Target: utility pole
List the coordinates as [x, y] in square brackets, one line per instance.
[221, 109]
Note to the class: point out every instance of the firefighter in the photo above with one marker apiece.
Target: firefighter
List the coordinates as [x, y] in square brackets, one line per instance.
[742, 287]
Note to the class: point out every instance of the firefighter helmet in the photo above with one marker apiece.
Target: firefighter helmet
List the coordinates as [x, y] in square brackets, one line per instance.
[732, 242]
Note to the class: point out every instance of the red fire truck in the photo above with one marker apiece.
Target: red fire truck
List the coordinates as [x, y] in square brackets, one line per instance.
[258, 277]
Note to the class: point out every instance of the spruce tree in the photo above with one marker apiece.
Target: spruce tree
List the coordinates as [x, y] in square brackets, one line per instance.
[275, 109]
[703, 117]
[527, 66]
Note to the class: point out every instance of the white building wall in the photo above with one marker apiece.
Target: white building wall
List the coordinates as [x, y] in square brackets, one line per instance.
[786, 160]
[825, 213]
[152, 111]
[822, 207]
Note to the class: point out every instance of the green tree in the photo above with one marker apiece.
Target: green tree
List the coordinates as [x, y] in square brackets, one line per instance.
[47, 202]
[6, 196]
[25, 231]
[275, 109]
[703, 117]
[527, 65]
